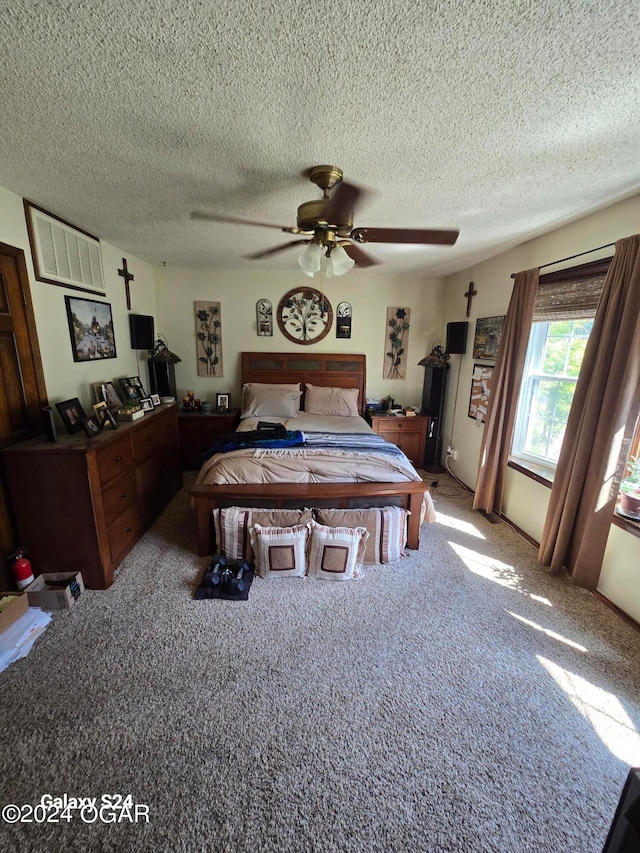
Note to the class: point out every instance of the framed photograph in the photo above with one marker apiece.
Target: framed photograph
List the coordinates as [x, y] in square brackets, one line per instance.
[147, 404]
[90, 328]
[487, 337]
[109, 420]
[481, 380]
[91, 426]
[155, 399]
[223, 402]
[105, 391]
[132, 389]
[72, 414]
[100, 410]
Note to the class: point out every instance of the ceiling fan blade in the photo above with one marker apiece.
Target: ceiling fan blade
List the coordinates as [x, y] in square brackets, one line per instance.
[254, 256]
[214, 217]
[356, 254]
[428, 236]
[340, 206]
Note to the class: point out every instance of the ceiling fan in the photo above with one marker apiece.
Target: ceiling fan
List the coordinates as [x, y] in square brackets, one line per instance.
[326, 226]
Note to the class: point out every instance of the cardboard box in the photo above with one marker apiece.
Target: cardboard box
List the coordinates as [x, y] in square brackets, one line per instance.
[13, 611]
[55, 590]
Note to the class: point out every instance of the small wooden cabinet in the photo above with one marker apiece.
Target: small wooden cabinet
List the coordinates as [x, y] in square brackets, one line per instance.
[409, 433]
[82, 504]
[198, 432]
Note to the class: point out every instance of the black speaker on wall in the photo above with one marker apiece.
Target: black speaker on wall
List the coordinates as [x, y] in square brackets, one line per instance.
[457, 338]
[142, 331]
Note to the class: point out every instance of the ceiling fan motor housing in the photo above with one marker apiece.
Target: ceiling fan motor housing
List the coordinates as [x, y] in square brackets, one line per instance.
[311, 216]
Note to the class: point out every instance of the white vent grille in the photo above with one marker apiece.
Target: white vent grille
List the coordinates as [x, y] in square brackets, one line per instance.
[64, 255]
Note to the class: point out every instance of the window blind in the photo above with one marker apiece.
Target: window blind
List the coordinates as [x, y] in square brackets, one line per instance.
[572, 293]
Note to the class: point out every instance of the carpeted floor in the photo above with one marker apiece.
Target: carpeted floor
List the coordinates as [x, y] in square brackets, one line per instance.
[459, 700]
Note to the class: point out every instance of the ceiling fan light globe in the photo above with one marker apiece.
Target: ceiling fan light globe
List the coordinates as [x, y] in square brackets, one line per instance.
[310, 260]
[340, 261]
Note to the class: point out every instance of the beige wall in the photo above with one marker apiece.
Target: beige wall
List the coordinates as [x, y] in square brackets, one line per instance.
[239, 290]
[65, 378]
[526, 501]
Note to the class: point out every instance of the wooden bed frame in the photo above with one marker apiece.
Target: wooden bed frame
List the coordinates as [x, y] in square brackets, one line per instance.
[325, 369]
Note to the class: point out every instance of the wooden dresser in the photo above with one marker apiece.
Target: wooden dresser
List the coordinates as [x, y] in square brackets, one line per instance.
[409, 433]
[82, 504]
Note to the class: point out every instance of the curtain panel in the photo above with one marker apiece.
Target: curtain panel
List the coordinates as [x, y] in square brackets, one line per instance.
[599, 429]
[507, 378]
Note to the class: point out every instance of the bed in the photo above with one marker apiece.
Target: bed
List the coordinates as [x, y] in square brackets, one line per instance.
[342, 461]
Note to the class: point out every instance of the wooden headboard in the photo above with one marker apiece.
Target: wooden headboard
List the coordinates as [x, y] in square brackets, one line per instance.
[336, 370]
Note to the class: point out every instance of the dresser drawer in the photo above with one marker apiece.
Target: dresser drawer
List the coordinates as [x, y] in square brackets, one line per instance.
[114, 459]
[119, 495]
[124, 533]
[167, 426]
[145, 440]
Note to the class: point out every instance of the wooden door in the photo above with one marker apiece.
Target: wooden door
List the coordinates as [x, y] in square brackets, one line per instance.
[22, 388]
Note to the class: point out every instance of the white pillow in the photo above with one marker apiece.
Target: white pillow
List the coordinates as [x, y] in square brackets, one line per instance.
[261, 399]
[336, 553]
[343, 402]
[280, 551]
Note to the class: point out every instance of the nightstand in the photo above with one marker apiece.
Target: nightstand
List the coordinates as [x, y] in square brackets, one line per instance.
[409, 433]
[198, 432]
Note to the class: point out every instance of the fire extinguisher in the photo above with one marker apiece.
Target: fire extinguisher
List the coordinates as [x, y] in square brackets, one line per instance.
[21, 569]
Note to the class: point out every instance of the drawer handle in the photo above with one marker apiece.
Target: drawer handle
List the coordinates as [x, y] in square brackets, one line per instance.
[127, 530]
[118, 458]
[123, 494]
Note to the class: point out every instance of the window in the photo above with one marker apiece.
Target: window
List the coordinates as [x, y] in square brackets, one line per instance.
[563, 317]
[553, 362]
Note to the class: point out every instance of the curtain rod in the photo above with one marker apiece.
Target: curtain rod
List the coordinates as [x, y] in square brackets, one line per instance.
[571, 257]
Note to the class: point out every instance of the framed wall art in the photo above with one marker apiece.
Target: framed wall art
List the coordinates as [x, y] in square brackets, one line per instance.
[343, 320]
[481, 380]
[487, 337]
[209, 338]
[264, 318]
[304, 315]
[90, 328]
[396, 343]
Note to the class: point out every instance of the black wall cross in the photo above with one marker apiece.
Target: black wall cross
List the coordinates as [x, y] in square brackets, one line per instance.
[127, 276]
[469, 294]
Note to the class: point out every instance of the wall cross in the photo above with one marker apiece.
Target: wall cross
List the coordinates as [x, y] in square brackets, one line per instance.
[470, 294]
[127, 276]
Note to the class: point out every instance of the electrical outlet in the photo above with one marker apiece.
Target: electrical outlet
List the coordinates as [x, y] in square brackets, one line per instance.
[454, 454]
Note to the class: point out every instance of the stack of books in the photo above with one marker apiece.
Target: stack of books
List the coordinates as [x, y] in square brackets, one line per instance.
[410, 412]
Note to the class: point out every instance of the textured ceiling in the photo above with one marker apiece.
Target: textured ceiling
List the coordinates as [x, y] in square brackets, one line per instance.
[500, 117]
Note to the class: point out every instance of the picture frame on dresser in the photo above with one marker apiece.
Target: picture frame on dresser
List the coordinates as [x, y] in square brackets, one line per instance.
[72, 414]
[147, 404]
[91, 426]
[223, 402]
[105, 391]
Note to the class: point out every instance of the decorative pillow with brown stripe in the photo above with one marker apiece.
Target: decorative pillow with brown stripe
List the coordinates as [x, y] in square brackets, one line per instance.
[280, 552]
[231, 525]
[387, 528]
[336, 553]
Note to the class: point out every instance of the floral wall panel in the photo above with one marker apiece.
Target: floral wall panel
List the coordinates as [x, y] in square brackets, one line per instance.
[209, 338]
[396, 343]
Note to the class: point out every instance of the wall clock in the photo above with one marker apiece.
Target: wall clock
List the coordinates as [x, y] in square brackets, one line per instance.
[304, 315]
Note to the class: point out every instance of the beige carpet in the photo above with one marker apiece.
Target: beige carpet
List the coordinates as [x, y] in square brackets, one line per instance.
[459, 700]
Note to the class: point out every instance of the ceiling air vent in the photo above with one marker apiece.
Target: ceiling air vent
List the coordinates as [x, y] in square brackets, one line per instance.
[63, 254]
